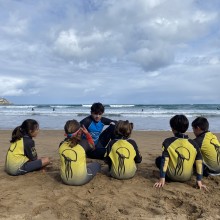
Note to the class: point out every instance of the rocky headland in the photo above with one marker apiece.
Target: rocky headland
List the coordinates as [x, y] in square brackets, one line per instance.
[4, 101]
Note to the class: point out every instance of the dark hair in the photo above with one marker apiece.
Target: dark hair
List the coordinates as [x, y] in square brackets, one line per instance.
[97, 108]
[26, 128]
[202, 123]
[70, 127]
[179, 123]
[123, 128]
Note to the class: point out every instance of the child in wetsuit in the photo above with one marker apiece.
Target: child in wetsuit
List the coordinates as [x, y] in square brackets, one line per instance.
[95, 124]
[122, 152]
[22, 156]
[72, 151]
[209, 146]
[179, 154]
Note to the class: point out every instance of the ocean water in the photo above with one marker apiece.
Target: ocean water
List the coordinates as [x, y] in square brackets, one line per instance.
[144, 117]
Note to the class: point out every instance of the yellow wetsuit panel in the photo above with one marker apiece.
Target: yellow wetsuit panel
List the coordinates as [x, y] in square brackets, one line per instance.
[182, 157]
[73, 164]
[210, 150]
[166, 163]
[199, 167]
[15, 157]
[122, 156]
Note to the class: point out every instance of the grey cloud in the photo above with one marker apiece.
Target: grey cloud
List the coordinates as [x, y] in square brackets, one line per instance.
[113, 50]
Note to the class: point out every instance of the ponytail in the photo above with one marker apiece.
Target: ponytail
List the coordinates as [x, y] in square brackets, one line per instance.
[26, 128]
[16, 134]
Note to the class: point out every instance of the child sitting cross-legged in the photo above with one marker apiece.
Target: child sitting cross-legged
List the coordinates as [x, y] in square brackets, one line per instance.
[209, 146]
[74, 169]
[22, 156]
[122, 152]
[179, 155]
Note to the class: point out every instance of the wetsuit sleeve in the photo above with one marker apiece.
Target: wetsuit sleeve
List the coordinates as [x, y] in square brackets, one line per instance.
[164, 161]
[107, 121]
[89, 138]
[198, 160]
[29, 149]
[138, 157]
[199, 169]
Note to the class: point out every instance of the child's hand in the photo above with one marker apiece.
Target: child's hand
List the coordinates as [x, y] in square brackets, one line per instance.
[160, 183]
[84, 130]
[88, 137]
[201, 186]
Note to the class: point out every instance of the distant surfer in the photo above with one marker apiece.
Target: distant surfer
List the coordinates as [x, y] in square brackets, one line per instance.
[32, 109]
[53, 109]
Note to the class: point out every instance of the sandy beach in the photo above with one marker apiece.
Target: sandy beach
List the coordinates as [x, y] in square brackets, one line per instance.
[42, 195]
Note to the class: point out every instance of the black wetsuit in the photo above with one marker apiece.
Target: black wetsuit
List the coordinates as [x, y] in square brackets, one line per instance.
[100, 137]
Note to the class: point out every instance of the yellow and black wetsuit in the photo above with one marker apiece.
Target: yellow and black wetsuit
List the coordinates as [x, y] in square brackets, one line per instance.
[210, 149]
[178, 157]
[19, 154]
[121, 158]
[73, 164]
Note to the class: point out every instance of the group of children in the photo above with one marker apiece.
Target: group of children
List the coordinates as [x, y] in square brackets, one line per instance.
[181, 156]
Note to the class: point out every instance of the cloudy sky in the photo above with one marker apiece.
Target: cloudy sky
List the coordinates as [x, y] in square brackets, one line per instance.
[112, 51]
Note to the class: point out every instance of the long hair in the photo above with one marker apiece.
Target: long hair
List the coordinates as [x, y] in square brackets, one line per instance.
[123, 129]
[71, 127]
[26, 128]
